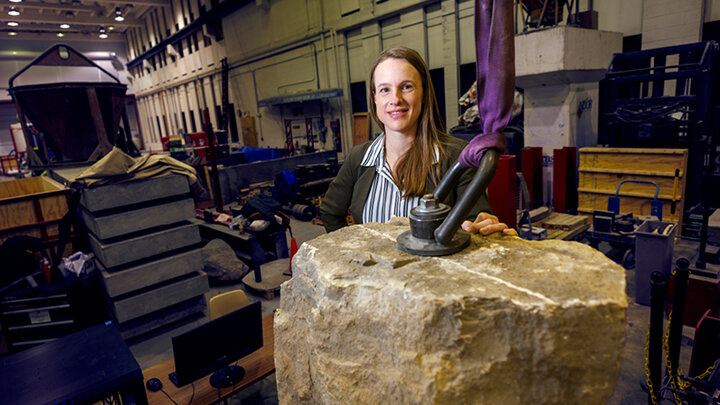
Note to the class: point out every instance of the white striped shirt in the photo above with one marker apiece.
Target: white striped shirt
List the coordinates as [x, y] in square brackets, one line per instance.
[385, 199]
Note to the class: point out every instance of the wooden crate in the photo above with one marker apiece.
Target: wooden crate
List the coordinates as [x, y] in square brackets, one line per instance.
[32, 207]
[602, 169]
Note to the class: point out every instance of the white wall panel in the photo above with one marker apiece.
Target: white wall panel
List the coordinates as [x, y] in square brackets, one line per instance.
[253, 29]
[669, 22]
[193, 107]
[282, 77]
[413, 31]
[208, 101]
[435, 36]
[356, 56]
[391, 32]
[466, 31]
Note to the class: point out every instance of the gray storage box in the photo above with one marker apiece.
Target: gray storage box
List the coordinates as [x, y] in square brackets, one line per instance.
[654, 243]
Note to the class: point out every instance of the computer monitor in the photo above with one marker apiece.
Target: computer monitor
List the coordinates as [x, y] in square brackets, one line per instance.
[215, 344]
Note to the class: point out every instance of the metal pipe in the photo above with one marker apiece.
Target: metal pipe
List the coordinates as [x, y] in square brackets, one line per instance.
[445, 232]
[678, 313]
[658, 290]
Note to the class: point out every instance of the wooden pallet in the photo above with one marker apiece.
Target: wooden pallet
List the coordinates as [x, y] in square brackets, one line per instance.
[564, 226]
[565, 222]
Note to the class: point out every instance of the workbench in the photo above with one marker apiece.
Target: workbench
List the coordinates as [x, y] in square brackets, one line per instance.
[257, 365]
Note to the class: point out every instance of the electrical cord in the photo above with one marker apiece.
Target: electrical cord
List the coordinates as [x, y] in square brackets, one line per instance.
[193, 394]
[641, 114]
[169, 397]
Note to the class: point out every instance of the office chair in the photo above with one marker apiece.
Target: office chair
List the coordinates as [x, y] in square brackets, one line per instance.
[227, 302]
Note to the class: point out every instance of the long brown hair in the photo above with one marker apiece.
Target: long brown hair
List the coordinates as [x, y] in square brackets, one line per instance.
[412, 170]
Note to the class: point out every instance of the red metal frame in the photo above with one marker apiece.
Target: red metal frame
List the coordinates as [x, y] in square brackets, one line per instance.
[502, 191]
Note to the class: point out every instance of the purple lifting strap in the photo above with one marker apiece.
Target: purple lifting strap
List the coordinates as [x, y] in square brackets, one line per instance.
[495, 67]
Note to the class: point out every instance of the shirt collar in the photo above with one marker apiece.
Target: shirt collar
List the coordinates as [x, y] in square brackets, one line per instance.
[375, 154]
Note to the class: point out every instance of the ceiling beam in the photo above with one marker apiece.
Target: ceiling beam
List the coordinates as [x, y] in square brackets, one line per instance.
[112, 37]
[60, 6]
[55, 28]
[136, 3]
[36, 17]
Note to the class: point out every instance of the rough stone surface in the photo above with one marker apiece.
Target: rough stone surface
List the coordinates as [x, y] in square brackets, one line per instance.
[505, 321]
[221, 264]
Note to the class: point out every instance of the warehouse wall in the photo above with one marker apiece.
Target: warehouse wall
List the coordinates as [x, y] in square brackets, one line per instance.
[283, 47]
[670, 22]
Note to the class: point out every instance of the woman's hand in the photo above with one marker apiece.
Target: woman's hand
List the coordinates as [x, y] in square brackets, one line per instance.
[486, 224]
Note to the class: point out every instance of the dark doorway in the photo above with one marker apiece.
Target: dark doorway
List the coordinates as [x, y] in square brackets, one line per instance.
[437, 76]
[358, 96]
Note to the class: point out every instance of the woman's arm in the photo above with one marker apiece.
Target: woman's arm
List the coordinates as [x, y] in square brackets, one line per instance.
[335, 204]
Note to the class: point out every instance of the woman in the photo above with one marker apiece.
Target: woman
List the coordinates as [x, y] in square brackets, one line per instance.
[387, 177]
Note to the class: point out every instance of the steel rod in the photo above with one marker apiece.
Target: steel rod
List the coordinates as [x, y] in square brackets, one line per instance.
[658, 291]
[678, 313]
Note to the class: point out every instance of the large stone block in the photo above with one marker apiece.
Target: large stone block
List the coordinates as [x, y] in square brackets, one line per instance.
[133, 192]
[110, 225]
[119, 252]
[505, 321]
[145, 302]
[126, 279]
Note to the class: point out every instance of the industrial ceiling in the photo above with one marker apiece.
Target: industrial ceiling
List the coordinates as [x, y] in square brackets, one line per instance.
[72, 20]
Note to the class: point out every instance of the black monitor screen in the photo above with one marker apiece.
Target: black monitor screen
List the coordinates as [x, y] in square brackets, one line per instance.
[217, 343]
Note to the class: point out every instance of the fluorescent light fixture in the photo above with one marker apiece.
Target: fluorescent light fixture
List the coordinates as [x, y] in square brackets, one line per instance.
[13, 12]
[13, 23]
[64, 26]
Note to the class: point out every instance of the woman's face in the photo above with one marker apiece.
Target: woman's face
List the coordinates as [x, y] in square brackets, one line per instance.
[398, 96]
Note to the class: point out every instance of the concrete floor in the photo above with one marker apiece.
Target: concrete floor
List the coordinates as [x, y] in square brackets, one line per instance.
[154, 349]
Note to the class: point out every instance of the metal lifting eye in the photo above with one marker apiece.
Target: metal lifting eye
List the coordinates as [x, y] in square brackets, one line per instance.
[434, 227]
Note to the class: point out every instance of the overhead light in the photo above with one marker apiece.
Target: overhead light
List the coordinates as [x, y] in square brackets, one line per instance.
[12, 33]
[13, 12]
[64, 26]
[111, 27]
[13, 23]
[15, 1]
[119, 14]
[103, 34]
[60, 35]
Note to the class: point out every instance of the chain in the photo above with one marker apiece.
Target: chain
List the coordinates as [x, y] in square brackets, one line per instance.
[682, 385]
[653, 398]
[705, 374]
